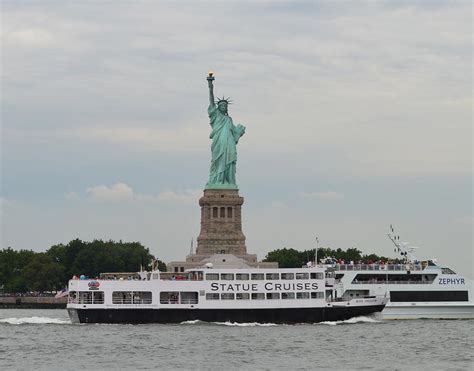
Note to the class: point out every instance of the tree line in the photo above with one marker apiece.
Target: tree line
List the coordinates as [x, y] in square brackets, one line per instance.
[291, 258]
[25, 270]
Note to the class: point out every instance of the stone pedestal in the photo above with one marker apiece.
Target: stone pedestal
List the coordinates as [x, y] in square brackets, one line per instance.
[221, 239]
[221, 223]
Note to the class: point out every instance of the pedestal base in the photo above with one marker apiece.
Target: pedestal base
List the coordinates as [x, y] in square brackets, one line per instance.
[221, 223]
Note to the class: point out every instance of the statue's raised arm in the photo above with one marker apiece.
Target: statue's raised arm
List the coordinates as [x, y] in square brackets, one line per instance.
[210, 79]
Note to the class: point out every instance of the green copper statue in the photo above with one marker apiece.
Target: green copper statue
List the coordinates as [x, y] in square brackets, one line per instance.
[225, 136]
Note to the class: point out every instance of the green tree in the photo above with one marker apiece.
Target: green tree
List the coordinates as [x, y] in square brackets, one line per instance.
[11, 266]
[92, 258]
[290, 258]
[43, 274]
[162, 266]
[353, 254]
[286, 258]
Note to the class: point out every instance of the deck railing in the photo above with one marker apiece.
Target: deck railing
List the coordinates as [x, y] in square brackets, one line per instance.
[131, 301]
[378, 267]
[182, 301]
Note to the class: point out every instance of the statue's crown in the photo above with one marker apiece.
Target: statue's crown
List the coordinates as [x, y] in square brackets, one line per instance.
[223, 99]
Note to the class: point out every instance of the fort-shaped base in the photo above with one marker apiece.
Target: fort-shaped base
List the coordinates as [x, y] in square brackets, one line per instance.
[221, 223]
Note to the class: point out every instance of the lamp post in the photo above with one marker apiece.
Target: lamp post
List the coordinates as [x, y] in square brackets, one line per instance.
[316, 252]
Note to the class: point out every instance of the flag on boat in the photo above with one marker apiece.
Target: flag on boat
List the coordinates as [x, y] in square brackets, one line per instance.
[61, 294]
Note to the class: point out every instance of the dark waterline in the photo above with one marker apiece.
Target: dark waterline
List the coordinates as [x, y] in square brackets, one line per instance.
[45, 340]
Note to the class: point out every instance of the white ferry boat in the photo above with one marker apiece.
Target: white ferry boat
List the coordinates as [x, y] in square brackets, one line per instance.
[416, 289]
[298, 295]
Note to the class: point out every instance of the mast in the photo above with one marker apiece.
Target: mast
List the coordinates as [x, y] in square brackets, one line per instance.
[402, 247]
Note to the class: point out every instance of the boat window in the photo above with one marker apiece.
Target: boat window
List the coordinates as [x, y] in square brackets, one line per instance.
[72, 297]
[417, 296]
[188, 297]
[317, 276]
[243, 296]
[287, 295]
[447, 271]
[302, 295]
[85, 297]
[129, 297]
[212, 296]
[242, 276]
[257, 276]
[169, 297]
[122, 297]
[141, 297]
[302, 276]
[258, 296]
[227, 296]
[393, 278]
[98, 297]
[212, 276]
[317, 295]
[177, 297]
[273, 295]
[273, 276]
[227, 276]
[287, 276]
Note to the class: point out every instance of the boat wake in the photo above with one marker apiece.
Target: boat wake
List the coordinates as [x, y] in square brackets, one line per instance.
[248, 324]
[35, 321]
[193, 322]
[361, 319]
[234, 324]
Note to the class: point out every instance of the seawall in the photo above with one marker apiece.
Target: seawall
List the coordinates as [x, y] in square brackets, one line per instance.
[33, 302]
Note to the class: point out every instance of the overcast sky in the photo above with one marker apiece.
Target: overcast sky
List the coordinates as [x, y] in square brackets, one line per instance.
[358, 115]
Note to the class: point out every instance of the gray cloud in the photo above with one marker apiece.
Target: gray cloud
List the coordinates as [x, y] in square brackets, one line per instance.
[346, 96]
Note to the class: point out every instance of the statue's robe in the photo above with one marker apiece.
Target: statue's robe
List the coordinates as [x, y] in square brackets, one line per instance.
[225, 136]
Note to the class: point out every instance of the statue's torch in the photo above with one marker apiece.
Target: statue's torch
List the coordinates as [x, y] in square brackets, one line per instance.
[210, 76]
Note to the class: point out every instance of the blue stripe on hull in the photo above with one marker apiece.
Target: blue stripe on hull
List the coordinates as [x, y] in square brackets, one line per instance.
[280, 315]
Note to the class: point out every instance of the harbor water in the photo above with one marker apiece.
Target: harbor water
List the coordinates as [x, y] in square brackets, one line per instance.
[46, 340]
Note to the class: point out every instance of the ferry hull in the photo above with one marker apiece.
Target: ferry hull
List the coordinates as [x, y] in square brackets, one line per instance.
[280, 315]
[412, 311]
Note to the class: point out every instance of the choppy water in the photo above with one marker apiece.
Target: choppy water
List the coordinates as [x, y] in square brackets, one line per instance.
[46, 340]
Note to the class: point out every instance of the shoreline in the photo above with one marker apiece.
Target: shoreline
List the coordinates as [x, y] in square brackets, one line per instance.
[32, 302]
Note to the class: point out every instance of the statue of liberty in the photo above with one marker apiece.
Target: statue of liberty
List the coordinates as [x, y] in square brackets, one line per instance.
[225, 136]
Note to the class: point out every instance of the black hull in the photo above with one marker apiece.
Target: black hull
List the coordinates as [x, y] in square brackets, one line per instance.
[281, 315]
